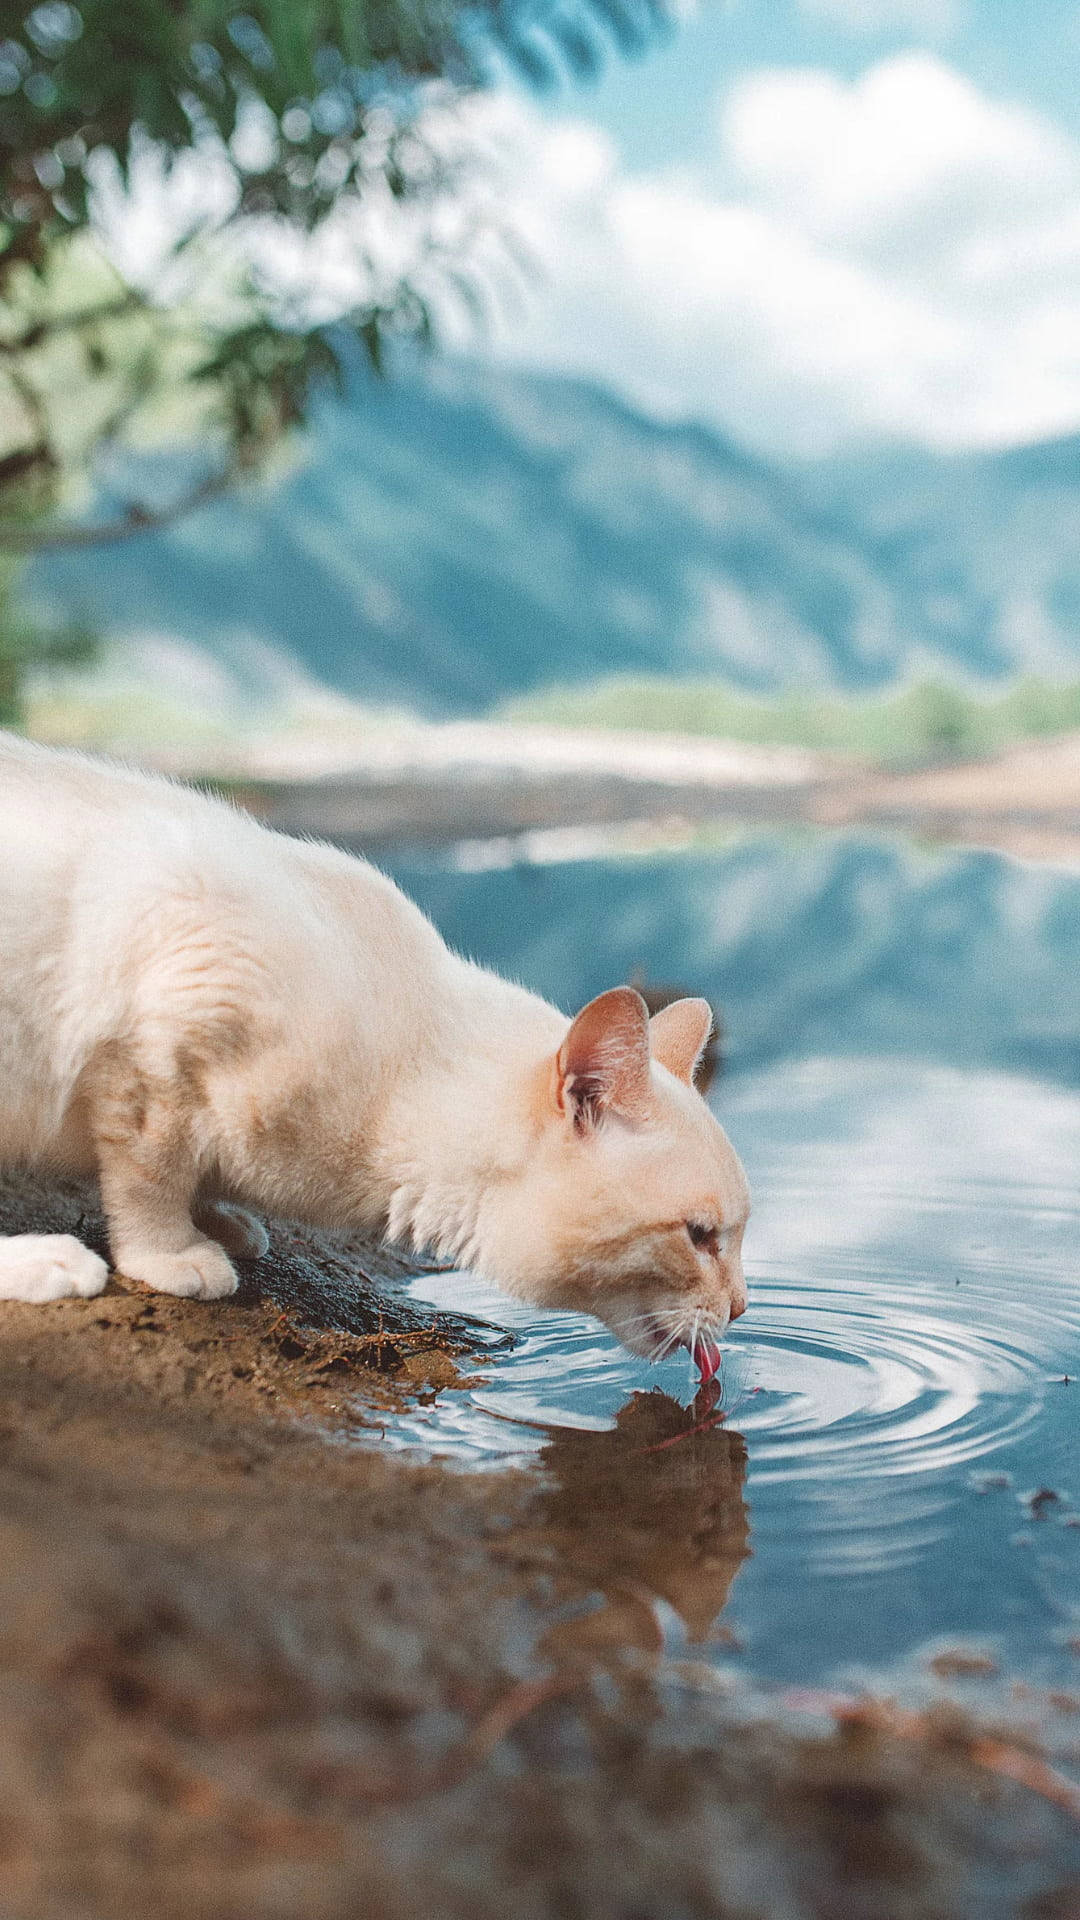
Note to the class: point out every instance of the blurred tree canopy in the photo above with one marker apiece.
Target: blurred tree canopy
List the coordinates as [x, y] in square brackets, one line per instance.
[26, 644]
[256, 134]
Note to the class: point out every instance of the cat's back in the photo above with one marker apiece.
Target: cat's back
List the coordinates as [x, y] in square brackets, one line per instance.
[96, 860]
[60, 784]
[69, 875]
[63, 814]
[133, 906]
[49, 796]
[92, 848]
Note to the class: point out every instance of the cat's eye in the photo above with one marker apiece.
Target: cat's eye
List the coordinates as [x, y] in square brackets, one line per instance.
[705, 1238]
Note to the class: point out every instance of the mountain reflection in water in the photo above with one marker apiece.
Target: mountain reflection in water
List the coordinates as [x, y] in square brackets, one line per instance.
[807, 944]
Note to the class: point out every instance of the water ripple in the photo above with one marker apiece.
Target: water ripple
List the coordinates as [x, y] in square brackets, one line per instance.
[820, 1380]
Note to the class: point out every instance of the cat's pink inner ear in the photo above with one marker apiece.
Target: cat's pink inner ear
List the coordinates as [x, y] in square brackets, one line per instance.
[603, 1064]
[678, 1034]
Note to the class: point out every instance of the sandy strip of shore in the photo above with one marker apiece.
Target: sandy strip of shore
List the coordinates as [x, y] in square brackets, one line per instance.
[466, 750]
[475, 780]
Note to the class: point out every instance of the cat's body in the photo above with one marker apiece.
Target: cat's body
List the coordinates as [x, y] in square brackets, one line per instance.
[212, 1016]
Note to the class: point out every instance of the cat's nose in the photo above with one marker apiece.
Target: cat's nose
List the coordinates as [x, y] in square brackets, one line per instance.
[736, 1292]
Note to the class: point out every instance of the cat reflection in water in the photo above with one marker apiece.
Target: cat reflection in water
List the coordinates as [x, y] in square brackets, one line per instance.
[650, 1510]
[220, 1022]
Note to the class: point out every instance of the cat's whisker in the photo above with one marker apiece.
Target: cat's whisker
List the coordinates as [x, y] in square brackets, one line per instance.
[664, 1322]
[671, 1327]
[674, 1339]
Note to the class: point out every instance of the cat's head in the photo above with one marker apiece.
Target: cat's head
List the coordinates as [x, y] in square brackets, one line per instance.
[632, 1203]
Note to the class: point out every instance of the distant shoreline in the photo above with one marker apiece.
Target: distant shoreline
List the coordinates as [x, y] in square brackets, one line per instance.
[471, 781]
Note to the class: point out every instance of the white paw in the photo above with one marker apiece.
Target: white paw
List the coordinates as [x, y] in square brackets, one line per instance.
[201, 1272]
[38, 1267]
[237, 1230]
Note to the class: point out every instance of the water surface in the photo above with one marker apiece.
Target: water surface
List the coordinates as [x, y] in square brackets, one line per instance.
[891, 1468]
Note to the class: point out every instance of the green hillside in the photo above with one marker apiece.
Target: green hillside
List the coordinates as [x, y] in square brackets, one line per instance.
[925, 721]
[451, 543]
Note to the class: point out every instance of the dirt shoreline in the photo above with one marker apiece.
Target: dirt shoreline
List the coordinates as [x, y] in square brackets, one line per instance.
[441, 784]
[251, 1668]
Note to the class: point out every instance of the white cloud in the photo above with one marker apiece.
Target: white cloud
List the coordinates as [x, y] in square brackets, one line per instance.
[911, 151]
[897, 256]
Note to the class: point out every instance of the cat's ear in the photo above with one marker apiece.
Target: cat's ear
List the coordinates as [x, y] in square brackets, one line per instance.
[677, 1035]
[603, 1064]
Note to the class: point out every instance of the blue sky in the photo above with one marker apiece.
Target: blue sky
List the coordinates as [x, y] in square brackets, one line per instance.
[659, 108]
[815, 223]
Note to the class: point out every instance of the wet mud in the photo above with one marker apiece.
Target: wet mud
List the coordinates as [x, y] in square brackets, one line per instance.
[253, 1665]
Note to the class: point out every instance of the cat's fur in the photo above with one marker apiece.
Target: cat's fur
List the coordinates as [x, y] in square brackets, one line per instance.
[212, 1017]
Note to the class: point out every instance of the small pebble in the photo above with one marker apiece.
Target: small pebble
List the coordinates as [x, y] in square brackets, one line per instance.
[990, 1482]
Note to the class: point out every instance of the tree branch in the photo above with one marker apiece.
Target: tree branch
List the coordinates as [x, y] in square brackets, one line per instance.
[45, 329]
[134, 520]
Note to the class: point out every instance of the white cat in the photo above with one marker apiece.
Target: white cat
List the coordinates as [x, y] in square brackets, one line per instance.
[211, 1017]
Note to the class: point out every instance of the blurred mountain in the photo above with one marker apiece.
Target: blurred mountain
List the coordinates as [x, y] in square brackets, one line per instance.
[446, 541]
[983, 549]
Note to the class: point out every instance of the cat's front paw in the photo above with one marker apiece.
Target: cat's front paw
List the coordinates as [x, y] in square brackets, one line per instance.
[38, 1267]
[201, 1272]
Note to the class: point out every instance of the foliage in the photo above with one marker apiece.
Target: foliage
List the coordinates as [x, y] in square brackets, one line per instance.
[270, 121]
[25, 643]
[925, 722]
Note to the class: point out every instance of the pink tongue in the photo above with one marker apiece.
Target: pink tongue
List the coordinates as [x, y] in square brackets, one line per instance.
[707, 1358]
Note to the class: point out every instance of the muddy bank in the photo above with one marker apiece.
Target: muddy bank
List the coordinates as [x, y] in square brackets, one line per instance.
[250, 1667]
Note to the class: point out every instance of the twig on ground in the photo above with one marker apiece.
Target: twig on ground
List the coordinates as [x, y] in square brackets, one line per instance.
[989, 1751]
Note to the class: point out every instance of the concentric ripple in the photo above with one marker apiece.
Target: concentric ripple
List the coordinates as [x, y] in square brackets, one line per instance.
[914, 1265]
[819, 1380]
[894, 1465]
[862, 1387]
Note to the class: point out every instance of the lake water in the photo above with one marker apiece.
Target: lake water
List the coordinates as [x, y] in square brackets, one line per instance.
[892, 1467]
